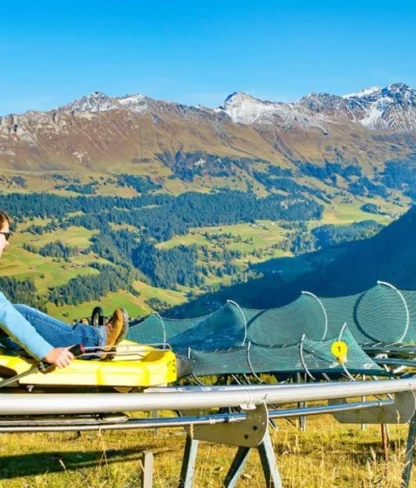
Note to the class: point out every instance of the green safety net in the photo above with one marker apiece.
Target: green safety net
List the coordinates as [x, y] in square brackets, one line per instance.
[380, 315]
[377, 315]
[286, 325]
[150, 331]
[307, 356]
[221, 329]
[318, 356]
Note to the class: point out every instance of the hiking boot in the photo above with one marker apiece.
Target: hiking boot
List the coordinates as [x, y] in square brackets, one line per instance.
[117, 327]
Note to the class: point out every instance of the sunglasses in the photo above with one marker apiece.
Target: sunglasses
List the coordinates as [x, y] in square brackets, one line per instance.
[6, 235]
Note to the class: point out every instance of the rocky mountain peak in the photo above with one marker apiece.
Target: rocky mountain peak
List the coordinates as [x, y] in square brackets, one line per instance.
[100, 102]
[238, 98]
[389, 108]
[318, 102]
[244, 108]
[399, 93]
[398, 88]
[370, 92]
[136, 103]
[97, 128]
[95, 102]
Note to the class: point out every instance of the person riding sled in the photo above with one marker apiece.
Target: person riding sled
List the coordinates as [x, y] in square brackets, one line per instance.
[45, 338]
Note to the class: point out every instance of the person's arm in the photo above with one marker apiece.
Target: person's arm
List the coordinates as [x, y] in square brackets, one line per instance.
[22, 332]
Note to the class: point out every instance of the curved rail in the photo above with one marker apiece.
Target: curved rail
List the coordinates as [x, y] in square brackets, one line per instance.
[108, 423]
[190, 398]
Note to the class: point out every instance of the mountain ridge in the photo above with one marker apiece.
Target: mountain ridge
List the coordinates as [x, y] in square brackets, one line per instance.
[97, 131]
[318, 103]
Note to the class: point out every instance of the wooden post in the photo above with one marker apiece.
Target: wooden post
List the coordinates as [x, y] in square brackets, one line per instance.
[147, 478]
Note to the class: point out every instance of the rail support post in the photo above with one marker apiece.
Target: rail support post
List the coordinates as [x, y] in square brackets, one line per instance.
[188, 463]
[147, 478]
[247, 434]
[410, 454]
[268, 463]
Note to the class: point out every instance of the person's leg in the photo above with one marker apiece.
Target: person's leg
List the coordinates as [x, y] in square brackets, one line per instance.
[59, 334]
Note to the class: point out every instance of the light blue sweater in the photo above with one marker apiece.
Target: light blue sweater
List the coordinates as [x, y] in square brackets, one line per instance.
[21, 331]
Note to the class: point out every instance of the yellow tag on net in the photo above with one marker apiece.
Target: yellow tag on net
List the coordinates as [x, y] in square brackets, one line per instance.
[339, 349]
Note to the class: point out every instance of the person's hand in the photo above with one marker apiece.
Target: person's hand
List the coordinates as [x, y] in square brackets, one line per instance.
[59, 356]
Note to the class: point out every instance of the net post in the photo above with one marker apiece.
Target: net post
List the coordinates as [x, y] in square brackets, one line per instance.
[308, 293]
[389, 285]
[192, 373]
[302, 358]
[162, 323]
[250, 364]
[341, 333]
[244, 319]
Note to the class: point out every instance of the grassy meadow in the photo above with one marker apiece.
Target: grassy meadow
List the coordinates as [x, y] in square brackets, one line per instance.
[257, 242]
[263, 241]
[265, 233]
[47, 272]
[328, 454]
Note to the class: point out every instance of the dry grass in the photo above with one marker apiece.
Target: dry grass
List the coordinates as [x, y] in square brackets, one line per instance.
[326, 455]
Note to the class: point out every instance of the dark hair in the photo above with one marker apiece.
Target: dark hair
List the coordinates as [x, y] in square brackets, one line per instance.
[3, 218]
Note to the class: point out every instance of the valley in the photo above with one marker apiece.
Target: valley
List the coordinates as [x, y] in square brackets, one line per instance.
[225, 255]
[159, 204]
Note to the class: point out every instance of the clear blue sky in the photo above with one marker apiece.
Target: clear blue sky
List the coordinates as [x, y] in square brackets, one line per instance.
[52, 52]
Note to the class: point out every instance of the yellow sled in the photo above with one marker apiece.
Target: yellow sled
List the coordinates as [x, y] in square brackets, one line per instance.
[130, 366]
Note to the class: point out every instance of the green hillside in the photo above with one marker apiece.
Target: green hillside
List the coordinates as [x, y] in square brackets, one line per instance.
[341, 270]
[145, 243]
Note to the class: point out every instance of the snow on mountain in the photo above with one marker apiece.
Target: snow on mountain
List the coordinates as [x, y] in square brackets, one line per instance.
[137, 103]
[245, 109]
[390, 108]
[99, 102]
[97, 128]
[363, 93]
[95, 102]
[393, 107]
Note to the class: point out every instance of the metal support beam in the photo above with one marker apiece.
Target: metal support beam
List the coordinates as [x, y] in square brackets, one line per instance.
[399, 412]
[268, 463]
[237, 467]
[193, 397]
[188, 463]
[301, 405]
[410, 454]
[248, 434]
[147, 478]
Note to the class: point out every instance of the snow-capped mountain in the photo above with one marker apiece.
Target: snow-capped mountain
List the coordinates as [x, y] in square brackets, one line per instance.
[367, 127]
[100, 102]
[95, 102]
[245, 109]
[390, 108]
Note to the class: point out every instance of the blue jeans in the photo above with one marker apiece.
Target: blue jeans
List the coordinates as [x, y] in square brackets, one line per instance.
[60, 334]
